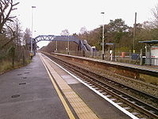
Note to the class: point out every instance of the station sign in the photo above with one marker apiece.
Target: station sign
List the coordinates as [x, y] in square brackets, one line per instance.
[154, 51]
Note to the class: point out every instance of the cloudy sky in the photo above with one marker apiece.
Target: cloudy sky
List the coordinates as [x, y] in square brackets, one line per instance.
[53, 16]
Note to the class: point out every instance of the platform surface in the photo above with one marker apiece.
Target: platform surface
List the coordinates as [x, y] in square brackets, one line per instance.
[28, 93]
[102, 108]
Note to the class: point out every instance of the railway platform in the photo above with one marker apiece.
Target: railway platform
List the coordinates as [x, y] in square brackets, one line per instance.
[42, 90]
[27, 93]
[148, 74]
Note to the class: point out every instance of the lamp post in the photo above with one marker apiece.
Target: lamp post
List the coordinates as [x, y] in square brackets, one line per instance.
[103, 44]
[32, 29]
[134, 32]
[68, 45]
[68, 50]
[56, 44]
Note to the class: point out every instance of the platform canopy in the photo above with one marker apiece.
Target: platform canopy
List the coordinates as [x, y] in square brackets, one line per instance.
[149, 42]
[150, 52]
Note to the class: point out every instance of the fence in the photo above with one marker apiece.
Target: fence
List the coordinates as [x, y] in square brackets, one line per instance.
[124, 57]
[151, 61]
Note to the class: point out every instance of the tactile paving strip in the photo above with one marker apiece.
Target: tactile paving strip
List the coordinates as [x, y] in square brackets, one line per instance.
[81, 109]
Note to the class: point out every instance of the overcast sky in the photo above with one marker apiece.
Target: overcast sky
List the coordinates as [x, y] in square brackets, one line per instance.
[53, 16]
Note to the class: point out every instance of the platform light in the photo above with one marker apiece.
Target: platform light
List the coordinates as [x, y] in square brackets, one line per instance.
[103, 44]
[32, 29]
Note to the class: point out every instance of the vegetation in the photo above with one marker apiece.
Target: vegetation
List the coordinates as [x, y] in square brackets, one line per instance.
[116, 31]
[125, 38]
[122, 35]
[13, 46]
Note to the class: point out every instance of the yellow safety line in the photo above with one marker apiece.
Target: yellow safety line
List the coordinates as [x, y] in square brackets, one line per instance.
[69, 112]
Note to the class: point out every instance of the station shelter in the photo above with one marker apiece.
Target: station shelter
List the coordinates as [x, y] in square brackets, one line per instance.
[151, 52]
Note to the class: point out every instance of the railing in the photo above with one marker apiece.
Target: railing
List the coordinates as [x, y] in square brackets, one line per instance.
[151, 61]
[124, 57]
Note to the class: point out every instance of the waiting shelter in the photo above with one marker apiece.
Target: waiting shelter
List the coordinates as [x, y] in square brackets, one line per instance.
[151, 52]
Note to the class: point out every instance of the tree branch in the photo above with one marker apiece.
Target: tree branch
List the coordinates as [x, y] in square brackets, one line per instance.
[4, 17]
[14, 36]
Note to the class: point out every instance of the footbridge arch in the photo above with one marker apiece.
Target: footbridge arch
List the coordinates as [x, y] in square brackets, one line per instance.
[82, 44]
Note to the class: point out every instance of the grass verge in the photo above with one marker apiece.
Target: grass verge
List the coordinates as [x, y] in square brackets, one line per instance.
[6, 66]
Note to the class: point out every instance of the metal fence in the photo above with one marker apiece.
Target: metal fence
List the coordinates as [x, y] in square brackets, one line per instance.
[151, 61]
[124, 57]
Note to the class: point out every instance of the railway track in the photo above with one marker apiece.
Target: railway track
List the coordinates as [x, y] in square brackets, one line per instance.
[119, 93]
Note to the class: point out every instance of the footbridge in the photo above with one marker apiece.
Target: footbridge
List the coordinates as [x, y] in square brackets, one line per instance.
[82, 44]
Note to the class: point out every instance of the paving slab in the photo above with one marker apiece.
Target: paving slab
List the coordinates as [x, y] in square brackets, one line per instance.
[102, 108]
[28, 93]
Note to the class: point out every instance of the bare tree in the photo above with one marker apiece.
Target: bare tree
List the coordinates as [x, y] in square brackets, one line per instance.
[27, 38]
[6, 7]
[83, 30]
[155, 14]
[16, 32]
[64, 32]
[10, 39]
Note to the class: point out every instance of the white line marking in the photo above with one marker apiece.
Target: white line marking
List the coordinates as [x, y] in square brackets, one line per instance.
[103, 96]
